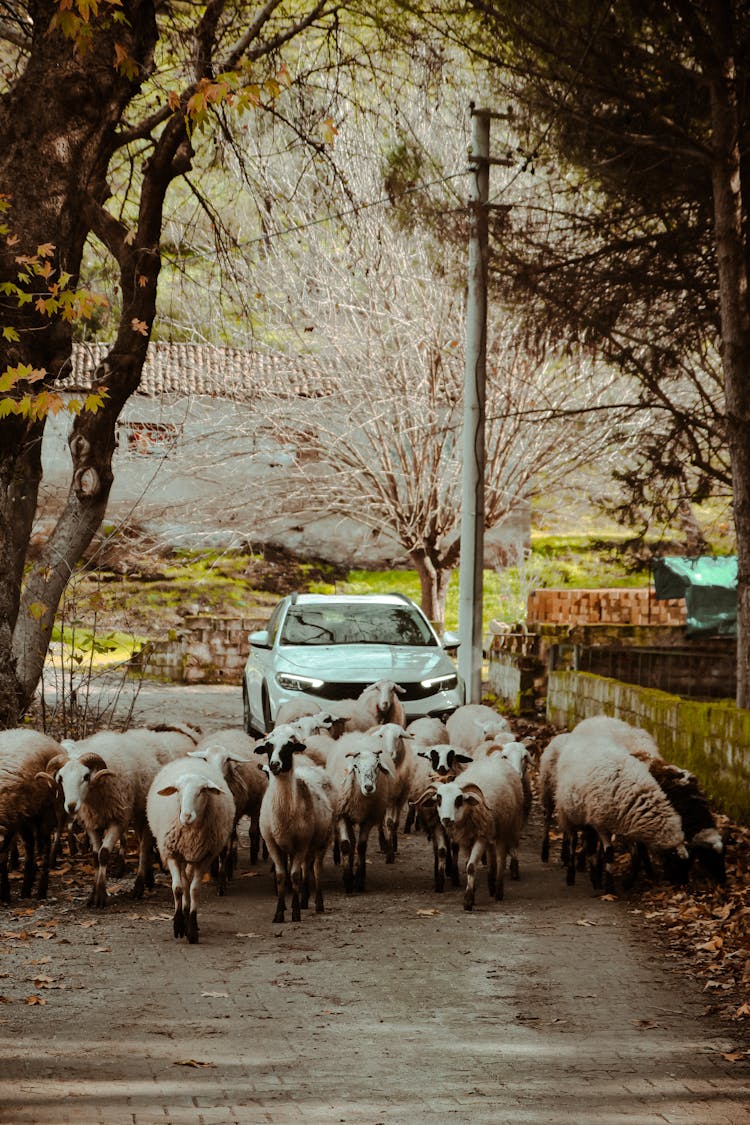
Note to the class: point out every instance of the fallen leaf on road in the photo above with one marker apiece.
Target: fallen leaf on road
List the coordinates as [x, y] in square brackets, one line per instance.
[88, 925]
[5, 1000]
[223, 995]
[247, 935]
[102, 949]
[742, 1011]
[192, 1062]
[585, 922]
[734, 1056]
[35, 1000]
[45, 934]
[428, 913]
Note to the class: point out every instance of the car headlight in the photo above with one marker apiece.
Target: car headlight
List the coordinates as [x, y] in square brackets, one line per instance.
[440, 683]
[297, 683]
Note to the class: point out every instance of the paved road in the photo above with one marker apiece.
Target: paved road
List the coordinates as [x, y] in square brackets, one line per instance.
[393, 1007]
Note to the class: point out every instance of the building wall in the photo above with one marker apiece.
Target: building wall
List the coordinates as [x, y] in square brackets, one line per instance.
[199, 471]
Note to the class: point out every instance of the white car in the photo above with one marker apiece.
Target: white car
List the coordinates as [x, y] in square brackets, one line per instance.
[331, 646]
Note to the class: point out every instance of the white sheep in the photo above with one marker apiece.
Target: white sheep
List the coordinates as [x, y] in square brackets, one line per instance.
[602, 787]
[105, 786]
[428, 730]
[232, 751]
[481, 811]
[547, 782]
[296, 819]
[27, 806]
[631, 738]
[362, 775]
[396, 743]
[376, 704]
[190, 812]
[293, 709]
[473, 723]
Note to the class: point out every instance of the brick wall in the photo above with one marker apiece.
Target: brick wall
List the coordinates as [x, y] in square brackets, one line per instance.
[205, 650]
[608, 606]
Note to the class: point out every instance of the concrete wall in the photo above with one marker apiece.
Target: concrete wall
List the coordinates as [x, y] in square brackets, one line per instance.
[205, 650]
[712, 740]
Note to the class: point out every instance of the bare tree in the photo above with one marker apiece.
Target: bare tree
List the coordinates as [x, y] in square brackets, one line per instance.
[383, 446]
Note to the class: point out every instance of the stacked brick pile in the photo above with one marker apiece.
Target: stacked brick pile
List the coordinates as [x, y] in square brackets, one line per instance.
[606, 607]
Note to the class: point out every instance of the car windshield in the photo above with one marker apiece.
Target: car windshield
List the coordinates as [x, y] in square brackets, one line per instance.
[359, 624]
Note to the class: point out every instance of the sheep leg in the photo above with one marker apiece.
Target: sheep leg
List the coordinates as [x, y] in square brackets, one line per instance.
[440, 851]
[317, 868]
[44, 849]
[279, 872]
[571, 840]
[144, 876]
[102, 853]
[474, 860]
[346, 847]
[254, 840]
[609, 859]
[454, 872]
[410, 818]
[361, 868]
[194, 877]
[4, 880]
[296, 876]
[515, 870]
[501, 854]
[178, 919]
[304, 896]
[29, 866]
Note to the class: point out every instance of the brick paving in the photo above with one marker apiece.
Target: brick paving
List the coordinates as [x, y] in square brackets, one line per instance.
[553, 1008]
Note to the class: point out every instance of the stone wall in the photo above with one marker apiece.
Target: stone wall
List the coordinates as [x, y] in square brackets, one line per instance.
[205, 650]
[712, 739]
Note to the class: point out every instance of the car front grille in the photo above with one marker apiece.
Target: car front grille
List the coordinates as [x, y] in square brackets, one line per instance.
[349, 690]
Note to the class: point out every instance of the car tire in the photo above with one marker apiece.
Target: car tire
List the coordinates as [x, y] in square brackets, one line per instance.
[247, 717]
[265, 703]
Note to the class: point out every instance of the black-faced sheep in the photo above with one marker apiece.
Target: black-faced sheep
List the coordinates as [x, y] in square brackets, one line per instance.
[296, 820]
[191, 813]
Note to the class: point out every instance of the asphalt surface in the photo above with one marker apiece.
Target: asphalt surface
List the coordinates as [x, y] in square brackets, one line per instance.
[395, 1006]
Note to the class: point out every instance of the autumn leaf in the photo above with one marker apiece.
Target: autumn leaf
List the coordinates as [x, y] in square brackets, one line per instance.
[139, 326]
[430, 913]
[216, 995]
[329, 131]
[35, 1000]
[734, 1056]
[192, 1062]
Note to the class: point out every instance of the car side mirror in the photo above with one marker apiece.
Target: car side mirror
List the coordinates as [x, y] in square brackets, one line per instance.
[259, 639]
[450, 641]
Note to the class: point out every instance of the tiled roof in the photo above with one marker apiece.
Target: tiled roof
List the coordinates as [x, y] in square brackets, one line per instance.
[201, 369]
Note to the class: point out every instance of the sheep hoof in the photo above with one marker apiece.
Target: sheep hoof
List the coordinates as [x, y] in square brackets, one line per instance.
[515, 872]
[138, 887]
[178, 924]
[98, 897]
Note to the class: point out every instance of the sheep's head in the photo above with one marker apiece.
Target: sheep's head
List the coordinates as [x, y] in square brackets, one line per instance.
[77, 775]
[452, 798]
[444, 759]
[195, 791]
[280, 746]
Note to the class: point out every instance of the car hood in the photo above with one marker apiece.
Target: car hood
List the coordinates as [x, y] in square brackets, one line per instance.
[366, 663]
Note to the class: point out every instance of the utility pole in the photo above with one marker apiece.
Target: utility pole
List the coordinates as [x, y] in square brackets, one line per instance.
[470, 653]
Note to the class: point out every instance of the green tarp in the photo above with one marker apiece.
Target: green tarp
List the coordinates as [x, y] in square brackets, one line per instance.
[709, 587]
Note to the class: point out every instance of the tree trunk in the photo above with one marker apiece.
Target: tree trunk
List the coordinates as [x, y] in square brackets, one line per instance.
[434, 580]
[730, 138]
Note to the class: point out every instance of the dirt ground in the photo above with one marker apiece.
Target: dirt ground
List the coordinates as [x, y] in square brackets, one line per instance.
[395, 1006]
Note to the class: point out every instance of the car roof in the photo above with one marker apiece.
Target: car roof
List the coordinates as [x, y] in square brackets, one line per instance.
[348, 599]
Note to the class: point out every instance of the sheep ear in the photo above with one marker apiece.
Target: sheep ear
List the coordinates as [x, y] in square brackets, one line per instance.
[202, 754]
[462, 758]
[263, 748]
[167, 791]
[400, 690]
[212, 787]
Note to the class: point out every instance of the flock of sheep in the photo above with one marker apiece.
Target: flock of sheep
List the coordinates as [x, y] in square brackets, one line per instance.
[329, 778]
